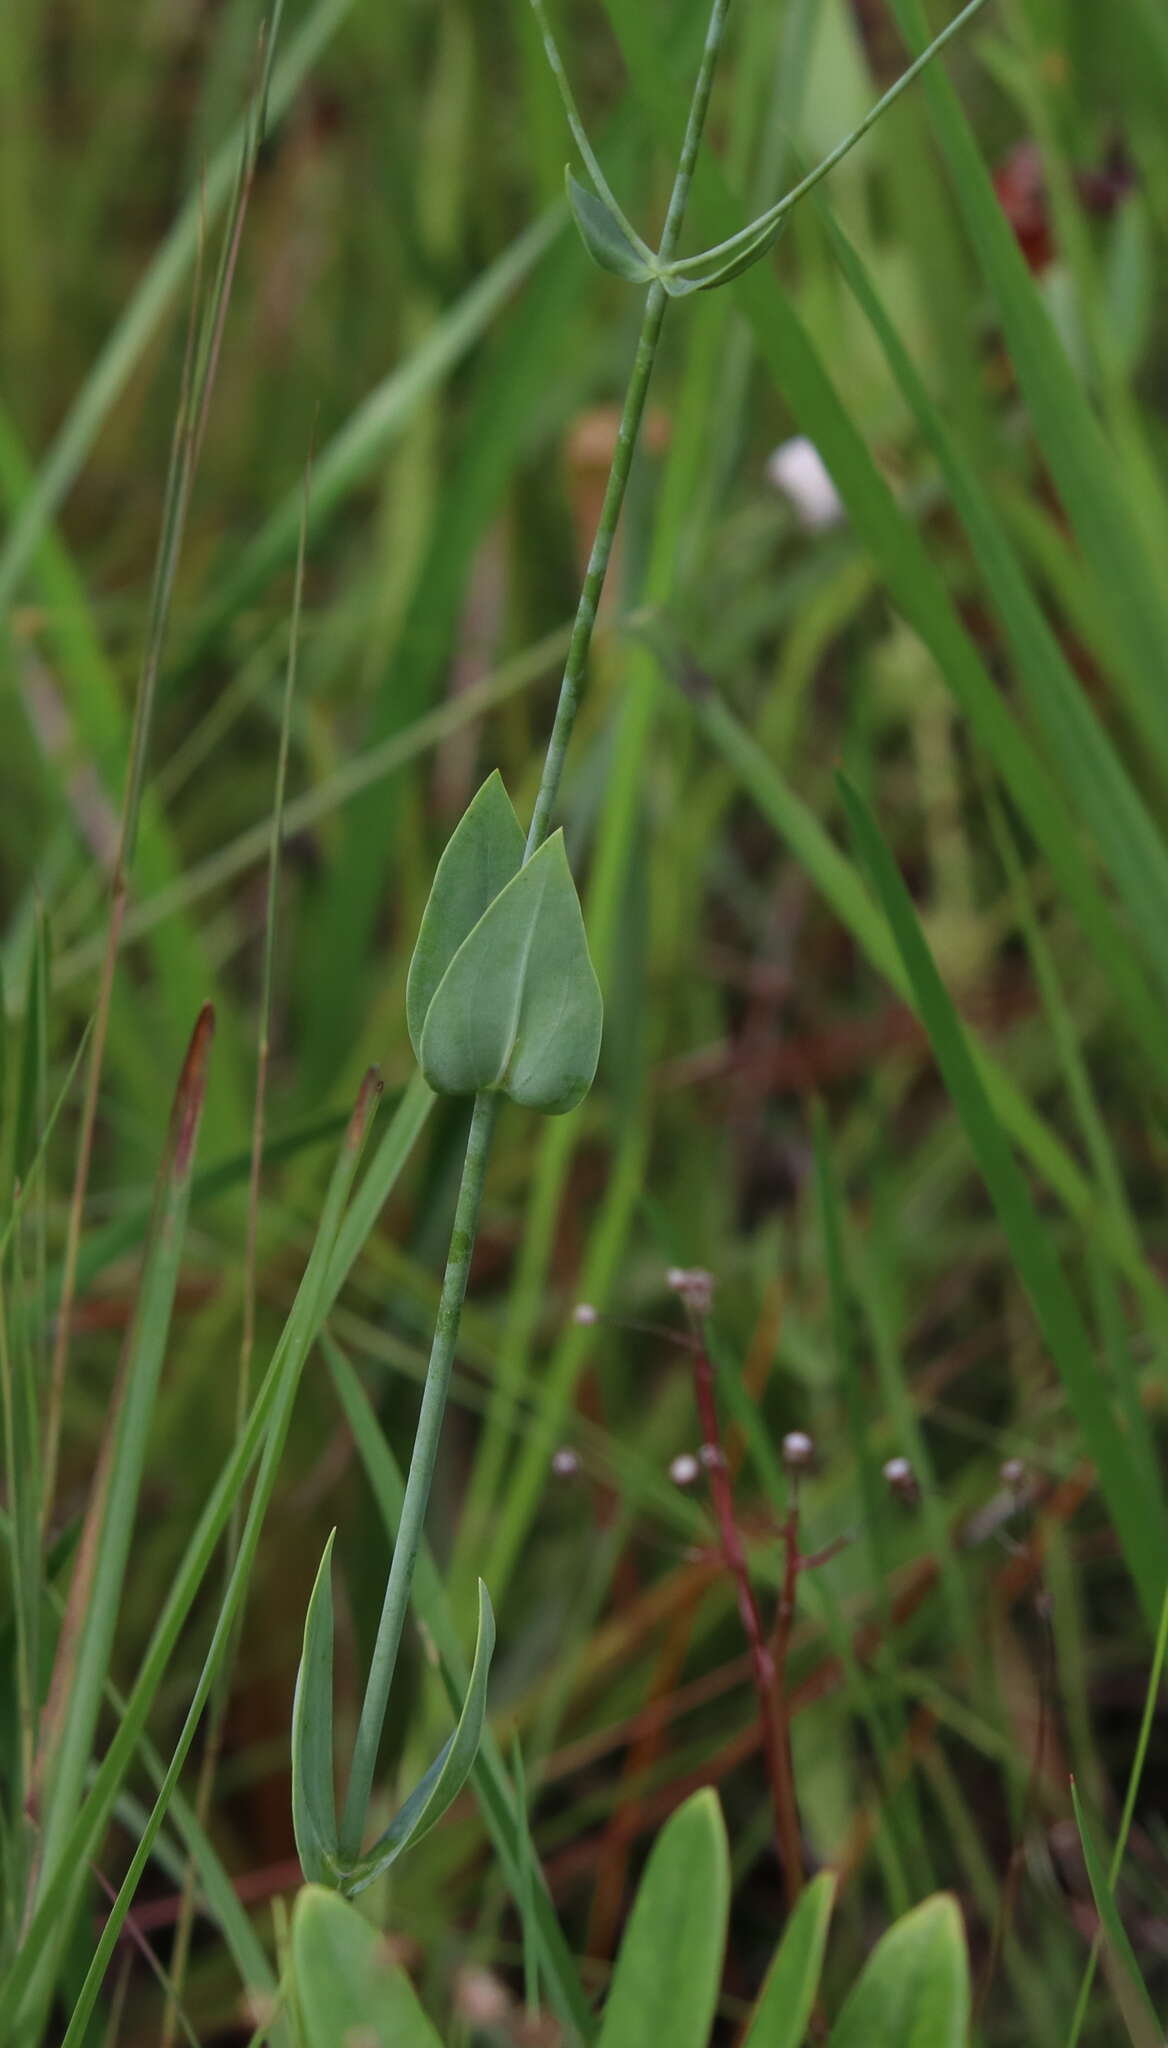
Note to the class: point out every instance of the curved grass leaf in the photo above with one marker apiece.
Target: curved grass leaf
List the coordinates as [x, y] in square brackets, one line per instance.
[783, 2011]
[605, 235]
[484, 852]
[914, 1990]
[1139, 2014]
[448, 1773]
[665, 1985]
[348, 1987]
[314, 1807]
[519, 1008]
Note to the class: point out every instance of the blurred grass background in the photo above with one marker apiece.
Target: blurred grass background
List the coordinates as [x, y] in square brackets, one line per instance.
[971, 329]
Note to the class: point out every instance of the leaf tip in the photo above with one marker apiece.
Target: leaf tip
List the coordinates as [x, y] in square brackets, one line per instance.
[368, 1097]
[191, 1092]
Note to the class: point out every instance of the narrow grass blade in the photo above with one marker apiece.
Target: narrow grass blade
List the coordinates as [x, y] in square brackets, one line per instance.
[1151, 1708]
[844, 889]
[911, 578]
[1139, 2014]
[1107, 799]
[1138, 1518]
[1072, 443]
[266, 1427]
[99, 1573]
[134, 331]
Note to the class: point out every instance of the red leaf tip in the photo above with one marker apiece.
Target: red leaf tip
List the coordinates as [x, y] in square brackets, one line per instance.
[368, 1096]
[191, 1090]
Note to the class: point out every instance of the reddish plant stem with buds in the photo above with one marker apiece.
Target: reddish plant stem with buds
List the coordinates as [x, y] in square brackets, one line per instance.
[774, 1722]
[784, 1622]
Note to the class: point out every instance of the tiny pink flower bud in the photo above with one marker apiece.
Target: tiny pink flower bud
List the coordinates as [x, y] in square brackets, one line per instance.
[585, 1314]
[565, 1462]
[713, 1457]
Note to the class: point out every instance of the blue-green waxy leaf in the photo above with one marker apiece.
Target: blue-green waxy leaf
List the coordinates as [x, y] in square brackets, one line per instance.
[665, 1985]
[914, 1989]
[446, 1776]
[485, 851]
[348, 1988]
[606, 236]
[783, 2012]
[703, 273]
[314, 1815]
[519, 1010]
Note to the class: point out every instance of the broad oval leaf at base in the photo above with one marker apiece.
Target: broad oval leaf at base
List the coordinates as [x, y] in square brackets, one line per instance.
[348, 1987]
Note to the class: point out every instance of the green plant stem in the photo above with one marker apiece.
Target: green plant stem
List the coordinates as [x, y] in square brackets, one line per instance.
[424, 1455]
[656, 300]
[422, 1461]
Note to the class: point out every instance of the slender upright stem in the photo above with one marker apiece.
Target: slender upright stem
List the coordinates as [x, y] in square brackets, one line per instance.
[784, 1622]
[422, 1462]
[656, 300]
[773, 1728]
[423, 1456]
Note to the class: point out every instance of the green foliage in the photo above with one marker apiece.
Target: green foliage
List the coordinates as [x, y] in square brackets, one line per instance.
[914, 1990]
[484, 853]
[783, 2013]
[967, 1265]
[314, 1806]
[443, 1781]
[346, 1984]
[665, 1985]
[510, 1003]
[606, 236]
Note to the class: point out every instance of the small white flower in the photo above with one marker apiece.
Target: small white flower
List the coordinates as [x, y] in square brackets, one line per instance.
[798, 1450]
[565, 1462]
[797, 469]
[684, 1469]
[585, 1314]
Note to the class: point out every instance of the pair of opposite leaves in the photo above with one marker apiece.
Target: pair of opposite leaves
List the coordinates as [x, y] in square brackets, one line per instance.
[501, 994]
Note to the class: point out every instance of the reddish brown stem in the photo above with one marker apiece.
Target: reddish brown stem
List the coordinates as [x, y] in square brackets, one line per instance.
[784, 1622]
[772, 1714]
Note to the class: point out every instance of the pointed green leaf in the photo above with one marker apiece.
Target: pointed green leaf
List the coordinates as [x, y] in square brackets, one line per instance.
[485, 851]
[749, 247]
[914, 1990]
[783, 2012]
[314, 1813]
[665, 1985]
[519, 1007]
[447, 1774]
[348, 1987]
[605, 235]
[1131, 1992]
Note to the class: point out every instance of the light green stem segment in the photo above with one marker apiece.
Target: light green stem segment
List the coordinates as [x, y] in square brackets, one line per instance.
[656, 300]
[425, 1450]
[422, 1460]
